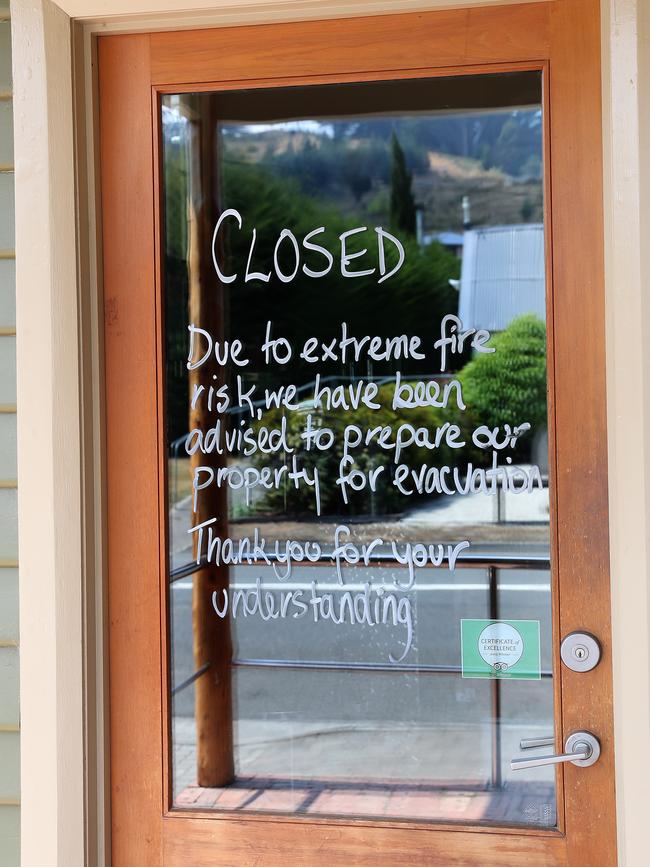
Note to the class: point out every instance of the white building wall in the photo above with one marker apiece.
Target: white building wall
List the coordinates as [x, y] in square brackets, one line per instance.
[502, 275]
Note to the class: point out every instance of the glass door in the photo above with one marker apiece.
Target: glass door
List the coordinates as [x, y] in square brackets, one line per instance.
[356, 441]
[360, 583]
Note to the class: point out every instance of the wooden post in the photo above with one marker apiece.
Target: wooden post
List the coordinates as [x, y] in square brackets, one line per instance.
[212, 635]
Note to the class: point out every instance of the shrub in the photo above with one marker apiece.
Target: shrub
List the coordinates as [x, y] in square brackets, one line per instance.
[508, 386]
[386, 498]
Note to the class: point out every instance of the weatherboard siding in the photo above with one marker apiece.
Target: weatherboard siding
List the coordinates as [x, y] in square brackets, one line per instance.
[9, 668]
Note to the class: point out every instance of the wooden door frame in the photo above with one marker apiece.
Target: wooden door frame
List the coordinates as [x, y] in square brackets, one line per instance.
[563, 34]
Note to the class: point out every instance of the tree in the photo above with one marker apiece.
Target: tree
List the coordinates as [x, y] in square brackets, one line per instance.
[402, 203]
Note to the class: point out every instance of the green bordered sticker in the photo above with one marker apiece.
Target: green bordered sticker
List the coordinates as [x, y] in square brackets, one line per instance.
[508, 649]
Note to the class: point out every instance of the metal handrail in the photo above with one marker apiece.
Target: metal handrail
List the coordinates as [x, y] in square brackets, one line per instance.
[380, 667]
[465, 561]
[319, 665]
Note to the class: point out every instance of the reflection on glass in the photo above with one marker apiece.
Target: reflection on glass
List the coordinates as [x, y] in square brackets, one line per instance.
[322, 247]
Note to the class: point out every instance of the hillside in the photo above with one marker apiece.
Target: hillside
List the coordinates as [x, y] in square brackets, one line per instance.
[351, 171]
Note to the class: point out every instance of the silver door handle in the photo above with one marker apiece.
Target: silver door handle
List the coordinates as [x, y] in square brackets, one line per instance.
[580, 748]
[531, 743]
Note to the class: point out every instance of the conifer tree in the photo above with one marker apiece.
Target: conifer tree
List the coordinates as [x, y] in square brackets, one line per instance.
[402, 203]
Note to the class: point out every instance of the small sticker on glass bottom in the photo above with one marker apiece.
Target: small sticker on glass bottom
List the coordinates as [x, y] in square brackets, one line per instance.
[508, 649]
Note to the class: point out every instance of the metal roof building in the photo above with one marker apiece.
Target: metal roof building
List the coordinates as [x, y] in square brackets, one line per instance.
[502, 275]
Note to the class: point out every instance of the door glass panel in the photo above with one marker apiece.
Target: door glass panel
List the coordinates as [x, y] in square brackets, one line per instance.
[356, 429]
